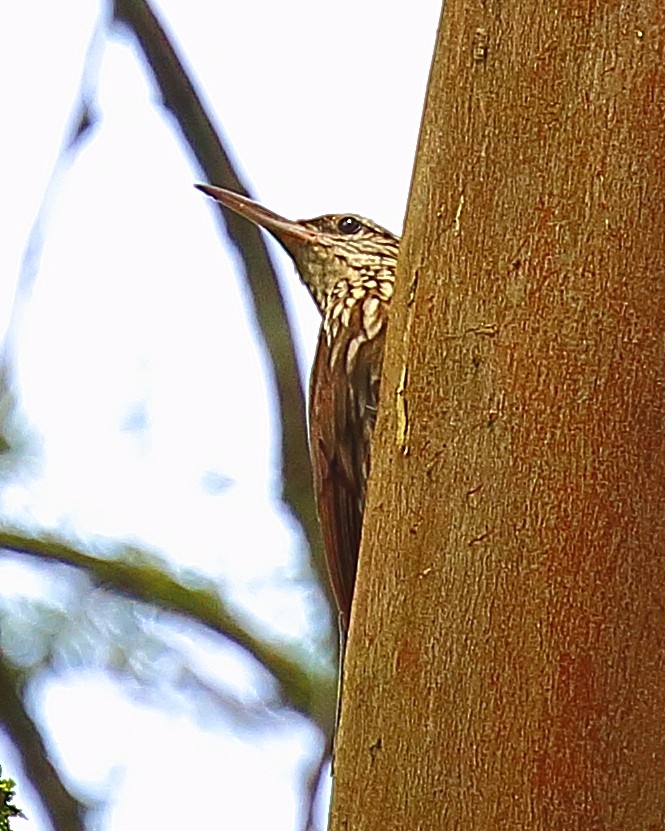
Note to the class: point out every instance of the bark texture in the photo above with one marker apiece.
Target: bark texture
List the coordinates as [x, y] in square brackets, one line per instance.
[506, 665]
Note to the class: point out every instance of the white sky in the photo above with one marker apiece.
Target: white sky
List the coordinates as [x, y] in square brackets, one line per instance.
[137, 318]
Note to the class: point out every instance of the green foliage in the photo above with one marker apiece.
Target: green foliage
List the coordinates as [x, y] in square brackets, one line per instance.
[7, 809]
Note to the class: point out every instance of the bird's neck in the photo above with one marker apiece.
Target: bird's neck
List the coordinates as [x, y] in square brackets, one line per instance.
[369, 293]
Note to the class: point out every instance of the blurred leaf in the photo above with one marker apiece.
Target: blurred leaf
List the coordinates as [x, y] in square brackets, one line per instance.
[7, 809]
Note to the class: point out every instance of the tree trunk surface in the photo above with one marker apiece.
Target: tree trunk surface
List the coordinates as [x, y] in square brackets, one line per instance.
[506, 661]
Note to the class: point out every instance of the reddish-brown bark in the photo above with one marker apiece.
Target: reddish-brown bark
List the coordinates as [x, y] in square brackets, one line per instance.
[506, 661]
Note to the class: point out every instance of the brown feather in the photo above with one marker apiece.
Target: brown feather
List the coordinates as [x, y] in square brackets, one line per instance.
[340, 439]
[348, 264]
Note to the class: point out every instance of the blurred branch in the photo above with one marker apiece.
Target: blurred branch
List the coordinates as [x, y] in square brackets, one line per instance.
[181, 99]
[82, 120]
[313, 781]
[65, 812]
[311, 692]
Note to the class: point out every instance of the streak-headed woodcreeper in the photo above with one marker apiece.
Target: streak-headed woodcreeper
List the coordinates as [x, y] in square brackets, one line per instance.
[348, 265]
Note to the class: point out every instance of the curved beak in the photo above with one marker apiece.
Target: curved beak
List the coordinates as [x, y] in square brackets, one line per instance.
[286, 230]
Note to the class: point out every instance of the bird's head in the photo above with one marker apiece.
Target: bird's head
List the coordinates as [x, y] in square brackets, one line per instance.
[327, 250]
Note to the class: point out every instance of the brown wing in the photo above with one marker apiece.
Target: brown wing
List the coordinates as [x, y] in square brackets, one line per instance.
[343, 400]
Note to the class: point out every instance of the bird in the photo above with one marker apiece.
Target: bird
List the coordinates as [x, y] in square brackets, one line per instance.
[348, 265]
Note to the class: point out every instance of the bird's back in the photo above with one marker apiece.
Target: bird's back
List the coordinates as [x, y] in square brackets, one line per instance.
[348, 264]
[344, 396]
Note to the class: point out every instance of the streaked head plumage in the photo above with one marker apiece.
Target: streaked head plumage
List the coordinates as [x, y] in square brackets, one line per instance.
[326, 249]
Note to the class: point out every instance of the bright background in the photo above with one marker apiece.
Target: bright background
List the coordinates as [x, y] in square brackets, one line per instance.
[138, 374]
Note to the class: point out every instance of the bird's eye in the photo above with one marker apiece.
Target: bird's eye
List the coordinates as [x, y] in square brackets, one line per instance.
[348, 225]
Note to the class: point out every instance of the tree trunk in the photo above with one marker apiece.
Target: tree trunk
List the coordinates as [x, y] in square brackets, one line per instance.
[506, 667]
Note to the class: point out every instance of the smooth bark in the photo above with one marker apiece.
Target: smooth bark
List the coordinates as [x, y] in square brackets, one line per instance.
[506, 667]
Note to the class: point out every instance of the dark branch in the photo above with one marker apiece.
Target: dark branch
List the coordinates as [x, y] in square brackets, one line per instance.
[314, 777]
[181, 99]
[65, 812]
